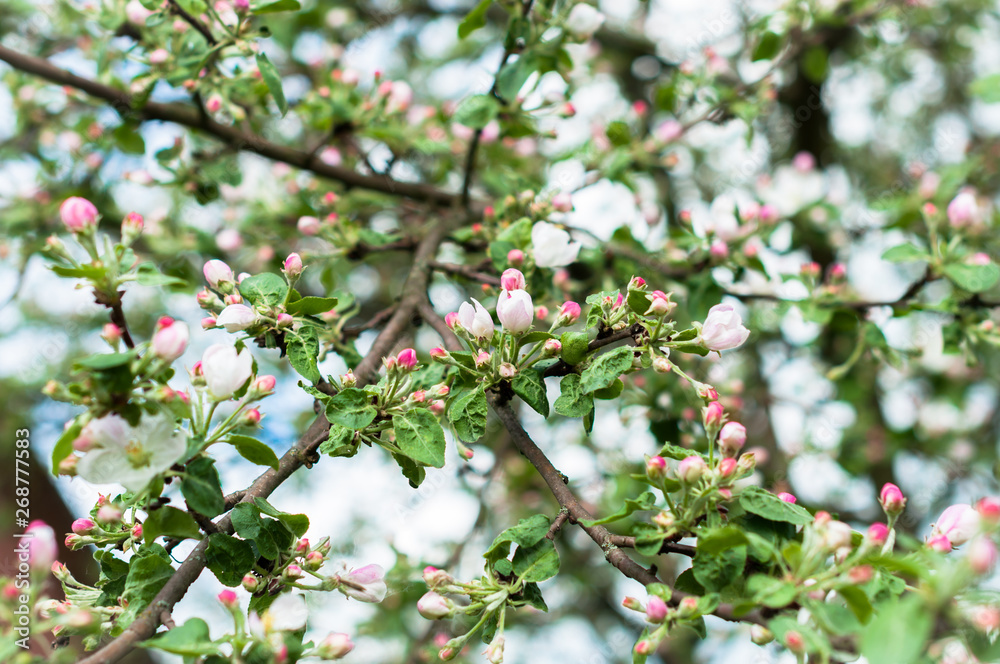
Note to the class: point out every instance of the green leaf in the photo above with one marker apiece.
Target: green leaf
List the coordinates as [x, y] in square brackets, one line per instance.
[254, 451]
[536, 563]
[149, 570]
[128, 139]
[104, 361]
[514, 75]
[190, 640]
[64, 446]
[645, 501]
[987, 88]
[762, 503]
[858, 602]
[572, 401]
[297, 523]
[530, 386]
[767, 47]
[420, 437]
[575, 347]
[272, 6]
[468, 414]
[251, 526]
[352, 408]
[340, 442]
[905, 253]
[618, 133]
[229, 558]
[606, 368]
[171, 522]
[201, 487]
[715, 572]
[311, 306]
[527, 532]
[715, 541]
[973, 278]
[147, 274]
[266, 289]
[898, 634]
[476, 111]
[193, 7]
[302, 347]
[474, 19]
[771, 591]
[273, 80]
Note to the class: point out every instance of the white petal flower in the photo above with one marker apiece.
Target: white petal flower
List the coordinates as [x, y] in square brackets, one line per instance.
[127, 455]
[515, 311]
[476, 319]
[225, 370]
[237, 317]
[553, 246]
[288, 613]
[584, 21]
[723, 328]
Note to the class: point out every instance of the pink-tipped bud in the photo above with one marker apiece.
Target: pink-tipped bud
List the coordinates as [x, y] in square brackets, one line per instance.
[982, 555]
[551, 348]
[407, 359]
[939, 543]
[892, 499]
[569, 313]
[712, 414]
[656, 467]
[633, 604]
[218, 274]
[132, 226]
[662, 365]
[111, 333]
[636, 283]
[515, 258]
[719, 249]
[262, 386]
[438, 353]
[878, 534]
[507, 370]
[83, 526]
[732, 437]
[838, 272]
[787, 497]
[251, 417]
[656, 610]
[989, 509]
[293, 265]
[292, 573]
[644, 647]
[334, 646]
[794, 642]
[691, 469]
[170, 339]
[437, 407]
[308, 225]
[482, 358]
[109, 514]
[284, 320]
[314, 560]
[78, 214]
[251, 583]
[659, 304]
[434, 606]
[511, 280]
[228, 599]
[810, 270]
[137, 532]
[728, 468]
[209, 323]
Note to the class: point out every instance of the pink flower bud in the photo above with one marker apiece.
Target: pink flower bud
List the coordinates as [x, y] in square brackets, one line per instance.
[438, 353]
[656, 467]
[541, 312]
[659, 304]
[284, 320]
[644, 647]
[989, 509]
[892, 499]
[437, 407]
[963, 210]
[838, 272]
[728, 468]
[308, 225]
[228, 599]
[209, 323]
[251, 583]
[711, 415]
[314, 560]
[111, 333]
[109, 514]
[636, 283]
[515, 258]
[419, 396]
[232, 298]
[982, 555]
[656, 609]
[482, 358]
[78, 214]
[551, 348]
[939, 543]
[691, 469]
[959, 523]
[170, 339]
[569, 313]
[214, 103]
[83, 526]
[407, 359]
[292, 573]
[761, 635]
[334, 646]
[878, 534]
[263, 386]
[719, 249]
[132, 226]
[787, 497]
[507, 370]
[434, 577]
[793, 640]
[434, 607]
[861, 574]
[251, 417]
[661, 365]
[732, 437]
[137, 531]
[293, 265]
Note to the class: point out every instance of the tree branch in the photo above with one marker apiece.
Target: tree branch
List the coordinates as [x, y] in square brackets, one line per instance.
[191, 117]
[302, 453]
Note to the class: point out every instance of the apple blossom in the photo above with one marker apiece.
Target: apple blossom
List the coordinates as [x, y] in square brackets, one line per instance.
[656, 609]
[365, 584]
[308, 225]
[892, 499]
[434, 606]
[569, 313]
[293, 265]
[787, 497]
[583, 21]
[958, 523]
[691, 469]
[878, 533]
[723, 328]
[732, 437]
[515, 311]
[963, 210]
[511, 280]
[712, 415]
[989, 509]
[476, 320]
[552, 245]
[83, 526]
[127, 455]
[982, 555]
[237, 317]
[225, 370]
[334, 646]
[170, 339]
[78, 214]
[42, 547]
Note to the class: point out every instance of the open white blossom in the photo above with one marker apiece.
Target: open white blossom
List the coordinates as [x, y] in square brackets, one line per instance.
[131, 456]
[723, 328]
[553, 246]
[225, 370]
